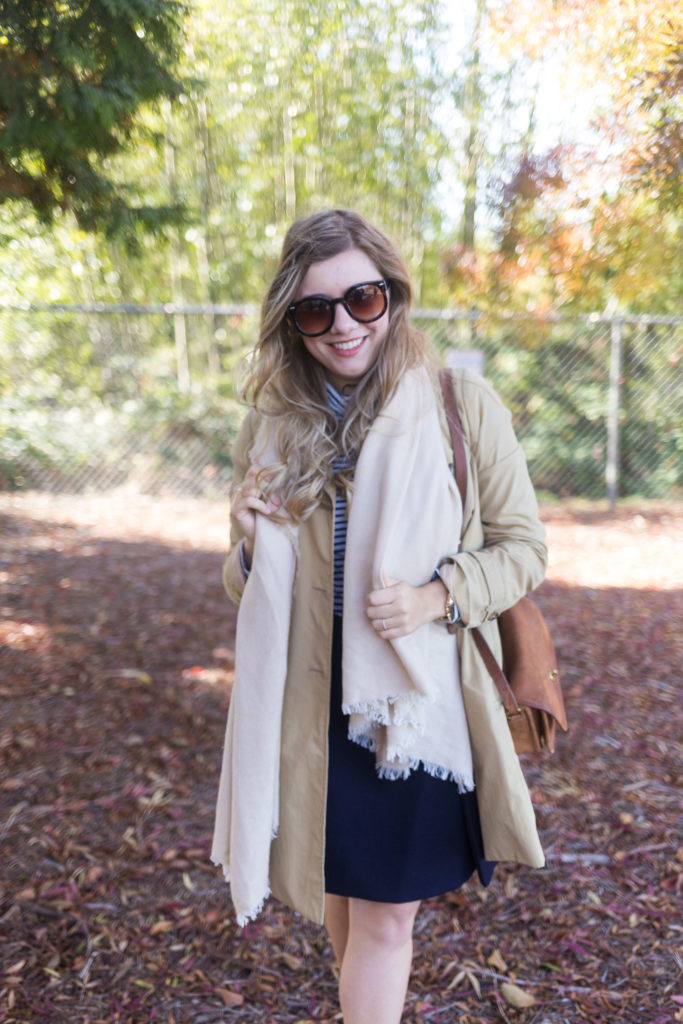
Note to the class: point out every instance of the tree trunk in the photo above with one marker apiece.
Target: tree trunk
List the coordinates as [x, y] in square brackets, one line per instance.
[179, 326]
[472, 106]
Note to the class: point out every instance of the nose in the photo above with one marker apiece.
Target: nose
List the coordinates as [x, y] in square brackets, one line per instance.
[342, 320]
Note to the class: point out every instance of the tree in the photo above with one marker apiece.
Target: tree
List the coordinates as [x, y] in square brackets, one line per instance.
[472, 103]
[304, 106]
[286, 107]
[73, 76]
[657, 156]
[592, 222]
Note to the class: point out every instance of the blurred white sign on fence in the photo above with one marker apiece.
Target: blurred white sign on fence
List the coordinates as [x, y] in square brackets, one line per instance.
[465, 359]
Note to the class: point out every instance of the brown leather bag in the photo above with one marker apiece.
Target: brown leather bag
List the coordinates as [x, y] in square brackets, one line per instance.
[529, 681]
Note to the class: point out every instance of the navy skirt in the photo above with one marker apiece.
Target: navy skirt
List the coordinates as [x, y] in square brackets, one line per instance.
[393, 840]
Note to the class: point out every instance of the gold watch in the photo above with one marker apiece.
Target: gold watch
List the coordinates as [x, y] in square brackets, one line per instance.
[450, 611]
[449, 614]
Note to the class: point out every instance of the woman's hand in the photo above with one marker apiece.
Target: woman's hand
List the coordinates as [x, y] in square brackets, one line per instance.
[399, 608]
[246, 503]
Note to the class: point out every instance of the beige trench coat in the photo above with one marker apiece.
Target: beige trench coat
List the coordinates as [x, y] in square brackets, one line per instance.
[502, 556]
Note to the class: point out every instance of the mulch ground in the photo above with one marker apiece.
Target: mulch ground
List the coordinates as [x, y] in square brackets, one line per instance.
[114, 679]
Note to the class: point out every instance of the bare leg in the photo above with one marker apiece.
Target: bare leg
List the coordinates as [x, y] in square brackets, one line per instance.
[337, 924]
[375, 958]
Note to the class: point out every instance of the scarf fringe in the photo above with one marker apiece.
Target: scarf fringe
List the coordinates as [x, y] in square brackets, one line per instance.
[402, 708]
[464, 782]
[250, 915]
[392, 755]
[363, 740]
[245, 916]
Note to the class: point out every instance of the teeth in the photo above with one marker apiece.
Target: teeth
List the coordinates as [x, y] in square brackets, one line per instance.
[344, 346]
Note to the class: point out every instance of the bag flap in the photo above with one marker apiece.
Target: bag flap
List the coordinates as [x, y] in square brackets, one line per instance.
[529, 659]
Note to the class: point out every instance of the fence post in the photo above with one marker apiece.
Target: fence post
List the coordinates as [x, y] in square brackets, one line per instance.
[613, 410]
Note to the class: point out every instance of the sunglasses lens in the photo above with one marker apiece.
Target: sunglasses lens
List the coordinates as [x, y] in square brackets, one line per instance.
[314, 316]
[366, 302]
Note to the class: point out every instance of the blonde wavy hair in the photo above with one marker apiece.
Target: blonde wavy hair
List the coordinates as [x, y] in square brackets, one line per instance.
[286, 385]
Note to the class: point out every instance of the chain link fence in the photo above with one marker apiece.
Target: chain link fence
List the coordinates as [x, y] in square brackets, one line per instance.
[108, 397]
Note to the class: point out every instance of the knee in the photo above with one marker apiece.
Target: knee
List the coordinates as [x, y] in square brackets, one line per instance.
[389, 925]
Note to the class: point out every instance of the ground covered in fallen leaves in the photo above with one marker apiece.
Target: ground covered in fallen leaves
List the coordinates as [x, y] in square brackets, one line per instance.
[114, 684]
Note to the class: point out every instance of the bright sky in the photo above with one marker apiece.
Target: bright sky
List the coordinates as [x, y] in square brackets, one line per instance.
[563, 105]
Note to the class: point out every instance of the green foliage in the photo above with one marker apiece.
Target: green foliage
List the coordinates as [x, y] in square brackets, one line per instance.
[284, 107]
[174, 443]
[93, 400]
[651, 447]
[304, 107]
[658, 168]
[554, 376]
[73, 77]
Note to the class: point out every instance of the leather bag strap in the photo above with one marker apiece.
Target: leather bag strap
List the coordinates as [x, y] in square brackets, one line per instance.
[455, 429]
[496, 673]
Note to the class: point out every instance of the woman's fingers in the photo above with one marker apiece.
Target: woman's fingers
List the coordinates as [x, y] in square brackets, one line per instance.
[249, 485]
[387, 610]
[400, 609]
[248, 499]
[250, 492]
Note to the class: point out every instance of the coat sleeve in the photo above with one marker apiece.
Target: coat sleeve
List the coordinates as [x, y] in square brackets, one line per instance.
[233, 576]
[503, 552]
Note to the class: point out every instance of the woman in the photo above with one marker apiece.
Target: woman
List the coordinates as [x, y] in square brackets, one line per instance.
[368, 762]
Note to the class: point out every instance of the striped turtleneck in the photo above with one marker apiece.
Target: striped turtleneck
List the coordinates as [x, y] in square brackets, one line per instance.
[337, 404]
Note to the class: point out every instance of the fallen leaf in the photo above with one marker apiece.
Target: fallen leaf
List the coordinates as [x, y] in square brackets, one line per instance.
[229, 998]
[496, 960]
[161, 926]
[15, 968]
[129, 673]
[25, 894]
[516, 996]
[11, 784]
[293, 962]
[474, 982]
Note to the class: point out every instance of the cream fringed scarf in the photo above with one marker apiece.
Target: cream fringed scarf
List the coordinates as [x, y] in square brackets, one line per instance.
[403, 696]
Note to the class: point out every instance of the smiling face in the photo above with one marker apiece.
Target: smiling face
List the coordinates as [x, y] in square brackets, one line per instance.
[349, 348]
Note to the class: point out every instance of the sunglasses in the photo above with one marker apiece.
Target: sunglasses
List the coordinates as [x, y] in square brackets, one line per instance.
[365, 302]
